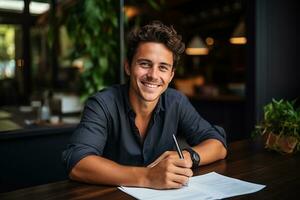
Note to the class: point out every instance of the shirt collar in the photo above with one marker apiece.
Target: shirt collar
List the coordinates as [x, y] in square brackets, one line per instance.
[159, 107]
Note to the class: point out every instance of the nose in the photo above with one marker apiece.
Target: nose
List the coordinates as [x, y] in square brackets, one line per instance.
[153, 72]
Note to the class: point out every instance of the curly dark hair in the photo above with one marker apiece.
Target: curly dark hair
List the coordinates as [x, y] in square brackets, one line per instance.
[156, 31]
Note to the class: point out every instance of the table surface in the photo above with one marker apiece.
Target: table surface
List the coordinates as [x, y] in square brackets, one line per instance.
[247, 160]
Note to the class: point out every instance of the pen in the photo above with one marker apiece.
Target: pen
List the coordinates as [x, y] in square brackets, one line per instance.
[178, 151]
[178, 148]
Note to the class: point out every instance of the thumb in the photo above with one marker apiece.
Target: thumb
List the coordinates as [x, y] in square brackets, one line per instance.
[160, 158]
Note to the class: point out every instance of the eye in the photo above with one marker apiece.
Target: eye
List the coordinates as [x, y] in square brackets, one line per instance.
[144, 64]
[163, 68]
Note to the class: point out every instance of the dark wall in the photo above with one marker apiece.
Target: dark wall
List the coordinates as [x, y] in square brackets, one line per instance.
[273, 69]
[31, 158]
[277, 64]
[230, 115]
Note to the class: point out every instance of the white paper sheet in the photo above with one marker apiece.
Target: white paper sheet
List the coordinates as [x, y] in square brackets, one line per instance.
[207, 187]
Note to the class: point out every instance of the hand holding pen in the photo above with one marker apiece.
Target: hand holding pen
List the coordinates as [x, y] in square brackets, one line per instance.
[178, 149]
[167, 171]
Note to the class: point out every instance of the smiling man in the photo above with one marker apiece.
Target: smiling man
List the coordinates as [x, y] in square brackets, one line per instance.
[125, 134]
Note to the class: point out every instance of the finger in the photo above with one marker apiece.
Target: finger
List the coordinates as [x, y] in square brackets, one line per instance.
[152, 164]
[186, 163]
[176, 169]
[187, 155]
[173, 154]
[160, 158]
[183, 180]
[173, 185]
[182, 171]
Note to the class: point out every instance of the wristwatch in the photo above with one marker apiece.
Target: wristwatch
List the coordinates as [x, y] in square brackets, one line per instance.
[194, 156]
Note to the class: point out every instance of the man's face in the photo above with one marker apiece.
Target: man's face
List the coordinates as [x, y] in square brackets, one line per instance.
[150, 72]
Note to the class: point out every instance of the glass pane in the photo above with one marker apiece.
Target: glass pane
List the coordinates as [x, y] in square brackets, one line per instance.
[40, 59]
[11, 64]
[12, 5]
[38, 7]
[17, 6]
[7, 51]
[69, 67]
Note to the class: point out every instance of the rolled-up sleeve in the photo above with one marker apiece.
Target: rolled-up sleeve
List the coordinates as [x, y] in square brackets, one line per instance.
[90, 136]
[195, 128]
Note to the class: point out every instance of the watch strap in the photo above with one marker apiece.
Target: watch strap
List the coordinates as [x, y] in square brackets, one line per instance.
[193, 154]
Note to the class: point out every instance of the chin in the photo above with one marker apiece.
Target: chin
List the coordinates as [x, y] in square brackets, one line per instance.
[150, 98]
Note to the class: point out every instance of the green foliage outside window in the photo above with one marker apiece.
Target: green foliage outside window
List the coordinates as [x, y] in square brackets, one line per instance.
[93, 27]
[7, 51]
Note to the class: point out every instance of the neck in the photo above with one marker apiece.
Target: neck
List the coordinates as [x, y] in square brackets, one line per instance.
[141, 107]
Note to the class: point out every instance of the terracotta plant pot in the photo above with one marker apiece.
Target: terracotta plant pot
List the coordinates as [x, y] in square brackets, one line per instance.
[284, 144]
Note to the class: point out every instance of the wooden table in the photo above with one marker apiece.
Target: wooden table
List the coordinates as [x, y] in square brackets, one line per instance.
[247, 160]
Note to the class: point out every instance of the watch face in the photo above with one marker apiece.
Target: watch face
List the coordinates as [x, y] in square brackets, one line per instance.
[196, 157]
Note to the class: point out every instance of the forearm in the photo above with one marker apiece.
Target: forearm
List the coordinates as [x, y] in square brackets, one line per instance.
[210, 150]
[99, 170]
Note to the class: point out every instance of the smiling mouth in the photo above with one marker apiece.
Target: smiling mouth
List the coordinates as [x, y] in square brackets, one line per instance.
[150, 85]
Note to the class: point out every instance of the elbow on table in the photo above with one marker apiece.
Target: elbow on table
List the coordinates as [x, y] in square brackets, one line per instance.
[74, 175]
[223, 152]
[77, 172]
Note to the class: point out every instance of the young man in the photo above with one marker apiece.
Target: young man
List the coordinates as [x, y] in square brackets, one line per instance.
[125, 134]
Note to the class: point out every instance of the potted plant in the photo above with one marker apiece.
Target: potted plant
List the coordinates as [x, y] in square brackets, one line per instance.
[280, 126]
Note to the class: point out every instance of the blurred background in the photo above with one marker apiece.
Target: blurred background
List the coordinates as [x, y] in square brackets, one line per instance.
[56, 53]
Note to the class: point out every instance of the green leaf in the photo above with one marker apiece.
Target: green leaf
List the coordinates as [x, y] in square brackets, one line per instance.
[153, 4]
[93, 26]
[103, 62]
[280, 117]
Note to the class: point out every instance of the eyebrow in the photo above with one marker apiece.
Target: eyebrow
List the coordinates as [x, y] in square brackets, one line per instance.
[147, 60]
[167, 64]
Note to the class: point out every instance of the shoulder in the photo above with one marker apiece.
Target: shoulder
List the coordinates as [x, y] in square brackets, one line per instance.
[173, 95]
[174, 99]
[107, 98]
[109, 93]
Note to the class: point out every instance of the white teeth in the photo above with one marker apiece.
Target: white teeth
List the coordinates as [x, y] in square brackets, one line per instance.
[150, 85]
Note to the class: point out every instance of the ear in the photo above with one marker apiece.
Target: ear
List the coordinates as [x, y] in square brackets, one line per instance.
[127, 67]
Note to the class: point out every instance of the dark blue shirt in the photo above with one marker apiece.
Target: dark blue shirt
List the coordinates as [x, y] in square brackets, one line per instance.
[107, 128]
